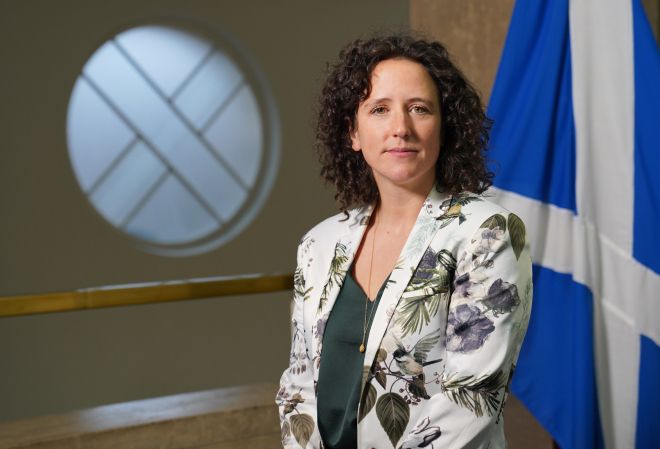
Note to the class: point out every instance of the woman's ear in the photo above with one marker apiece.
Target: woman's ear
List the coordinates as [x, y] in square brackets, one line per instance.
[353, 134]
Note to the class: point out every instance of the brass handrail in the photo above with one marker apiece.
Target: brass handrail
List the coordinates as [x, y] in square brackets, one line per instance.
[131, 294]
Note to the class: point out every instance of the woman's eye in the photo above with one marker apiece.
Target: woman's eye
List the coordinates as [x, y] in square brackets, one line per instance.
[419, 109]
[379, 110]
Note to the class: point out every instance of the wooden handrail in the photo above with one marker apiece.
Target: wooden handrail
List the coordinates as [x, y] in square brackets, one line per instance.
[131, 294]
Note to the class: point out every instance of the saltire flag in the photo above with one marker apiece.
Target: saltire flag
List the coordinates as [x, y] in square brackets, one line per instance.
[576, 104]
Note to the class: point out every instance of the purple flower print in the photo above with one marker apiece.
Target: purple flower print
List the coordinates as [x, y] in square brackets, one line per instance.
[467, 329]
[320, 326]
[426, 266]
[489, 242]
[502, 297]
[321, 323]
[462, 284]
[470, 285]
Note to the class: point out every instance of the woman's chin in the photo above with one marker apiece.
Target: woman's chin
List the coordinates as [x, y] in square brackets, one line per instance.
[408, 178]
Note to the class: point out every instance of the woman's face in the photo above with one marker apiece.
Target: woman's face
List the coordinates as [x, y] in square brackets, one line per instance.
[399, 125]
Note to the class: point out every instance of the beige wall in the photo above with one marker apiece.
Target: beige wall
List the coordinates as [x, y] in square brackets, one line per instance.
[51, 239]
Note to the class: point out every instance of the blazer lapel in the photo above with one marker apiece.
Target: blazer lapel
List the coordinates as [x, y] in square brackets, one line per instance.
[431, 218]
[343, 254]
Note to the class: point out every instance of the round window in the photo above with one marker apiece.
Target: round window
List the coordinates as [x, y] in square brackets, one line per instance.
[173, 137]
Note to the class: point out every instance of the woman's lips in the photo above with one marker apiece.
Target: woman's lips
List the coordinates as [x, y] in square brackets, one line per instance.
[401, 152]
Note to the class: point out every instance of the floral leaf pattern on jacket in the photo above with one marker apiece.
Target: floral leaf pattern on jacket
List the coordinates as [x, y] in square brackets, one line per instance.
[467, 329]
[453, 318]
[300, 425]
[401, 375]
[495, 221]
[490, 241]
[336, 274]
[517, 231]
[519, 328]
[427, 224]
[299, 276]
[454, 209]
[299, 285]
[368, 401]
[298, 356]
[398, 266]
[475, 394]
[423, 435]
[468, 326]
[507, 389]
[319, 330]
[502, 297]
[429, 285]
[296, 396]
[393, 413]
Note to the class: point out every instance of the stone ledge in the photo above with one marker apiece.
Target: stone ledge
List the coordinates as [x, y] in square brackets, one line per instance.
[225, 418]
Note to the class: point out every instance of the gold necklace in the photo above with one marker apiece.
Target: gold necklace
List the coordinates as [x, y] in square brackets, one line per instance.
[366, 303]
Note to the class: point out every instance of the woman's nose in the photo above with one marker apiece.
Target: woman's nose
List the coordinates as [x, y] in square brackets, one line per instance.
[401, 125]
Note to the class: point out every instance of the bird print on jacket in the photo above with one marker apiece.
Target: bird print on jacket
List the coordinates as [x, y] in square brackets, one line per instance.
[423, 435]
[445, 337]
[411, 363]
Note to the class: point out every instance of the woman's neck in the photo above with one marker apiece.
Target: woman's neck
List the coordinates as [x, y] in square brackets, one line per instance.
[399, 206]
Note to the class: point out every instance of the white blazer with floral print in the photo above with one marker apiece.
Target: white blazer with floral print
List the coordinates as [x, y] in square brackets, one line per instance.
[445, 337]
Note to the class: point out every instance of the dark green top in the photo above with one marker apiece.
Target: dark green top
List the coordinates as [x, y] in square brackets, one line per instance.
[340, 375]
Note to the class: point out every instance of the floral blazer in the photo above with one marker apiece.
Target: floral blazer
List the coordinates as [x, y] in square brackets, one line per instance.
[445, 338]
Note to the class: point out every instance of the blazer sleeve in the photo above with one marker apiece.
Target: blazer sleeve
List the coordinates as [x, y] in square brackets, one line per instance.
[486, 322]
[296, 398]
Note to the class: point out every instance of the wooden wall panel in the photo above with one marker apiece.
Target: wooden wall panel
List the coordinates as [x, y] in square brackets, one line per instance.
[473, 31]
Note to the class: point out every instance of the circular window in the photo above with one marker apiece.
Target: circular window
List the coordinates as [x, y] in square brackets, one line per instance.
[173, 137]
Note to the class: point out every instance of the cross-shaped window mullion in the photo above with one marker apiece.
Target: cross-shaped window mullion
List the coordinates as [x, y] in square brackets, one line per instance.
[191, 75]
[112, 165]
[142, 201]
[183, 118]
[155, 151]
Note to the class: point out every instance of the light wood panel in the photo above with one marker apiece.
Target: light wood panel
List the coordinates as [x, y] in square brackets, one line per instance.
[143, 293]
[652, 8]
[474, 32]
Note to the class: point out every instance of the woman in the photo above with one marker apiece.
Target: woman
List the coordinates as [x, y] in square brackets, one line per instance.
[410, 310]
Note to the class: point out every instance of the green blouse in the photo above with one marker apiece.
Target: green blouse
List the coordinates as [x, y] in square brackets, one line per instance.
[340, 374]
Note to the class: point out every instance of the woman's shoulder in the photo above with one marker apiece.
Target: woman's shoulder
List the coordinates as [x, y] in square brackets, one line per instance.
[483, 204]
[475, 211]
[332, 228]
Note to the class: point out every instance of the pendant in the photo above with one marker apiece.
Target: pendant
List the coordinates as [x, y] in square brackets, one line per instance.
[362, 348]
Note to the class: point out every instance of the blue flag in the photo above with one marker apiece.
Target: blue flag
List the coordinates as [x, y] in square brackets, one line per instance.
[576, 103]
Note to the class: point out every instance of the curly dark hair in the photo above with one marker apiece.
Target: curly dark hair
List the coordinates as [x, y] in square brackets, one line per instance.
[462, 164]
